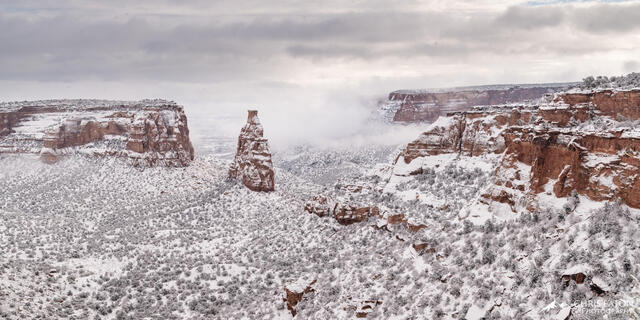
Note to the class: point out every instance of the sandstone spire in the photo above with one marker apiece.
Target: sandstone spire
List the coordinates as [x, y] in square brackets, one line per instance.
[252, 163]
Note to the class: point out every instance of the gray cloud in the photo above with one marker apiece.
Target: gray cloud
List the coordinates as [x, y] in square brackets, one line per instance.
[608, 18]
[203, 41]
[531, 18]
[308, 66]
[333, 51]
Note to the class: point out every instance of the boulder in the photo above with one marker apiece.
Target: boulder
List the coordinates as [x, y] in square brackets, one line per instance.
[295, 292]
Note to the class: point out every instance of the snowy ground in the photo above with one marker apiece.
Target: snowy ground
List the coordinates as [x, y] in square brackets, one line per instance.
[98, 239]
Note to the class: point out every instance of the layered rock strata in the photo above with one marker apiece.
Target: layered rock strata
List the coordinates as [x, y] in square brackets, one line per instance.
[582, 142]
[252, 164]
[344, 213]
[147, 132]
[427, 106]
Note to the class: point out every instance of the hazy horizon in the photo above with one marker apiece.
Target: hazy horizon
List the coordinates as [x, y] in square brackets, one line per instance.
[314, 71]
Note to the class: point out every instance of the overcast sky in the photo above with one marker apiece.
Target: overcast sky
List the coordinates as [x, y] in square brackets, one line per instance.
[320, 62]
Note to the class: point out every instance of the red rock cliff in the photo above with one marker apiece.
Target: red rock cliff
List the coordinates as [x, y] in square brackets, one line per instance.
[607, 102]
[467, 133]
[252, 163]
[8, 121]
[148, 132]
[572, 144]
[428, 106]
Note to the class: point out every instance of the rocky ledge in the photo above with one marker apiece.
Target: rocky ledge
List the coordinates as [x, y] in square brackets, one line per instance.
[147, 132]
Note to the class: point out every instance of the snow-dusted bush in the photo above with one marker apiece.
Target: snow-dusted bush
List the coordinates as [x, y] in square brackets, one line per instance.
[631, 80]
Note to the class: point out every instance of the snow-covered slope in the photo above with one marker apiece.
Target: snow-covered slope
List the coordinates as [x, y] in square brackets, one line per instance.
[582, 142]
[455, 225]
[94, 237]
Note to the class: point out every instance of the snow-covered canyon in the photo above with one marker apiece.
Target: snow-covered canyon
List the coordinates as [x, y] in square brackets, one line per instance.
[479, 217]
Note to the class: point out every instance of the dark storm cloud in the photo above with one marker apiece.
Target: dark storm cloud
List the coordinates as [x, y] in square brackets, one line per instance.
[69, 45]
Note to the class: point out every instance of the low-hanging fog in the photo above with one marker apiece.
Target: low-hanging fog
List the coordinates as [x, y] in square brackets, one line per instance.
[314, 71]
[291, 115]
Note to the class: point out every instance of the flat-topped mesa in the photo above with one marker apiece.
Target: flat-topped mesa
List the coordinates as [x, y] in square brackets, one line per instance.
[581, 142]
[147, 132]
[252, 163]
[409, 106]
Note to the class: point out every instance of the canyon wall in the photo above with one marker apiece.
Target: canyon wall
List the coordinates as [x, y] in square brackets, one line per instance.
[616, 104]
[148, 132]
[581, 142]
[427, 106]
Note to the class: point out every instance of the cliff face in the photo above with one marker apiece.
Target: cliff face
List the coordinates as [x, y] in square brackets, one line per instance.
[602, 166]
[572, 145]
[608, 103]
[468, 133]
[7, 122]
[149, 132]
[252, 163]
[420, 106]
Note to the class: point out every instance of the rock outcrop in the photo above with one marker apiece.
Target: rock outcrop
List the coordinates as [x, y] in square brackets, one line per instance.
[581, 142]
[469, 133]
[350, 213]
[579, 275]
[294, 293]
[148, 132]
[252, 163]
[9, 120]
[347, 213]
[427, 106]
[319, 206]
[344, 213]
[362, 308]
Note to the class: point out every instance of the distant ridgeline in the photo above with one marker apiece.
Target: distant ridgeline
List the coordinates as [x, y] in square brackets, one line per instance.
[408, 106]
[426, 105]
[147, 132]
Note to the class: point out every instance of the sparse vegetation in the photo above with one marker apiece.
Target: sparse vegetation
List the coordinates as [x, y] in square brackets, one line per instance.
[100, 240]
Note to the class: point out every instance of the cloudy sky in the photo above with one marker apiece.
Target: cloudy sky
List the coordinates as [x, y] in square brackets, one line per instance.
[309, 66]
